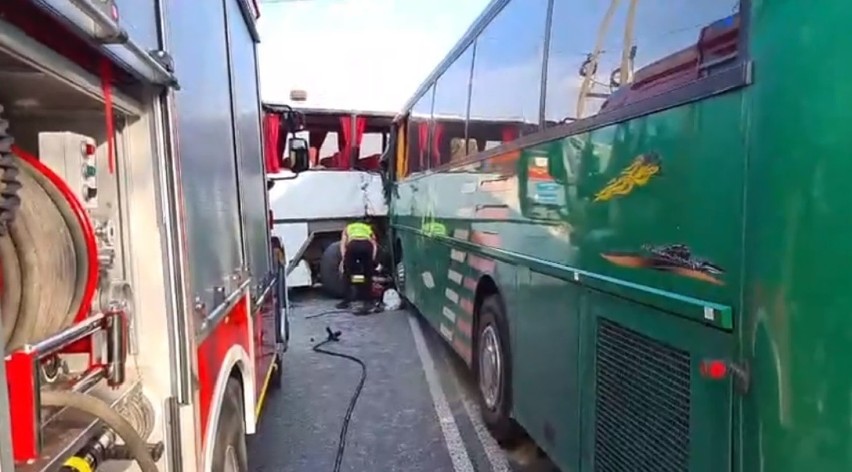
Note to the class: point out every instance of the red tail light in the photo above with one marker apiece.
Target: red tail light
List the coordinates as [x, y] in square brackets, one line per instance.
[714, 369]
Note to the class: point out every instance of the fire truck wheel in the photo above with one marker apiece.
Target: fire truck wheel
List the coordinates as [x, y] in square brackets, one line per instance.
[330, 276]
[493, 370]
[229, 450]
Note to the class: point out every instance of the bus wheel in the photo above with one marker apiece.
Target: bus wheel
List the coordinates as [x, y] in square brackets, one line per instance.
[492, 367]
[332, 281]
[400, 277]
[229, 449]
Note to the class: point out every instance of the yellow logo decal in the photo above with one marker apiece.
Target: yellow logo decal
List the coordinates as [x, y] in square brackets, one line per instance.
[637, 174]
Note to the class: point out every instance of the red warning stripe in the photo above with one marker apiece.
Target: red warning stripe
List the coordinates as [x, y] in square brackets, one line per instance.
[470, 284]
[501, 212]
[464, 326]
[485, 266]
[466, 305]
[486, 238]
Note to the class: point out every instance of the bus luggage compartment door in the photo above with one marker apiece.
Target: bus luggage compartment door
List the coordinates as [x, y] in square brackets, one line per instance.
[649, 402]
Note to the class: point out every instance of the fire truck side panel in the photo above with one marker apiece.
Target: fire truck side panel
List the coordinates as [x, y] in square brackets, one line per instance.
[246, 109]
[254, 207]
[224, 354]
[215, 116]
[140, 21]
[205, 141]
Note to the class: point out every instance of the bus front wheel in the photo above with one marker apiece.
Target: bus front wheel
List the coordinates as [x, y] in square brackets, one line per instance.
[492, 367]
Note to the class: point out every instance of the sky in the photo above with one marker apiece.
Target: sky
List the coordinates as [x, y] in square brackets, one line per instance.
[356, 54]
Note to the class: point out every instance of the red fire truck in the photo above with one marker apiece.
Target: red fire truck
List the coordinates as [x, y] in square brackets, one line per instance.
[139, 288]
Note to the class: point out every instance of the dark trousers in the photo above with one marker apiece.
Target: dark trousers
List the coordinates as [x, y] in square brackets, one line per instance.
[358, 261]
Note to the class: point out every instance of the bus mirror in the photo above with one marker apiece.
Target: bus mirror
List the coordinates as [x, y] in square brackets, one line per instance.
[299, 158]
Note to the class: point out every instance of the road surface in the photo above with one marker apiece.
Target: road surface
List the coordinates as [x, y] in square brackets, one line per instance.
[416, 413]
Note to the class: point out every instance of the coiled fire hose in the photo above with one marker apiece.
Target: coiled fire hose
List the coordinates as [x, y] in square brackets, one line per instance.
[9, 184]
[101, 410]
[43, 271]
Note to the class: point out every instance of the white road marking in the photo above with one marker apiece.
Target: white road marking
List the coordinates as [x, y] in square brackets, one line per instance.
[452, 437]
[496, 455]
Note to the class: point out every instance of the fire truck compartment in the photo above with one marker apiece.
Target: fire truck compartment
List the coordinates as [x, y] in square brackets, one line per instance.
[76, 147]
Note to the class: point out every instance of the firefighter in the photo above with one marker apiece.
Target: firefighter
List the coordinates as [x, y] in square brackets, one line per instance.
[358, 249]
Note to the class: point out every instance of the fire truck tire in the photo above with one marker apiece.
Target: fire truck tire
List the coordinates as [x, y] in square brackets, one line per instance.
[330, 276]
[229, 449]
[493, 371]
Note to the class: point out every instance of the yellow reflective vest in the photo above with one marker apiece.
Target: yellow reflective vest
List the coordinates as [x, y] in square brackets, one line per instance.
[357, 231]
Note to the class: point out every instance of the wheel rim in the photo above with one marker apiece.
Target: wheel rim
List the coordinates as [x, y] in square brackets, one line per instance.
[400, 274]
[231, 462]
[490, 366]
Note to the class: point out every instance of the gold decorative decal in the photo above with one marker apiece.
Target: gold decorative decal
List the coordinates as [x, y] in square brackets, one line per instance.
[637, 174]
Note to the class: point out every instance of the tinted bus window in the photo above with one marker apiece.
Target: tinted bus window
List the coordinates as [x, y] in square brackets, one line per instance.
[418, 133]
[449, 114]
[596, 51]
[507, 67]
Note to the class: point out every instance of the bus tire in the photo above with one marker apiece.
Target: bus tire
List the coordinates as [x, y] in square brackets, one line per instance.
[492, 355]
[229, 448]
[330, 276]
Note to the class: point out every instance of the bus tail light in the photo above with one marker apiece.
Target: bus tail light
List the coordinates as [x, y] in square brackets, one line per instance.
[714, 369]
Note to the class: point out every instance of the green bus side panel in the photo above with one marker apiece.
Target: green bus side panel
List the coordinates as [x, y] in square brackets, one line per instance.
[797, 334]
[546, 365]
[645, 404]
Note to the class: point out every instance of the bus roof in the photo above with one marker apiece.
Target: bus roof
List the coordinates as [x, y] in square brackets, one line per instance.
[280, 108]
[328, 119]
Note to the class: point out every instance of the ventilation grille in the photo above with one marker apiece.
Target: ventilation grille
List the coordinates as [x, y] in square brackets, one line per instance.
[642, 403]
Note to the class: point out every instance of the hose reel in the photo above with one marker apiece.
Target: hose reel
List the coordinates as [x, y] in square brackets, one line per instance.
[45, 258]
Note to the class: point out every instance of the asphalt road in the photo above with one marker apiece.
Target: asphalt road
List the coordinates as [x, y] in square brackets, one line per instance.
[416, 413]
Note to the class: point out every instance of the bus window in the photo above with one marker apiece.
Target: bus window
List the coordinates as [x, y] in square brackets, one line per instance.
[507, 67]
[598, 48]
[418, 133]
[370, 151]
[449, 115]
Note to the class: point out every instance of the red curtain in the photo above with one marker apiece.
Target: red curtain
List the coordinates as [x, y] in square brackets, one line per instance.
[360, 127]
[423, 129]
[271, 149]
[509, 133]
[438, 134]
[345, 161]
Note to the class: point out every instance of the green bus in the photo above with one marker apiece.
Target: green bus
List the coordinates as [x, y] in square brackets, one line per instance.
[629, 218]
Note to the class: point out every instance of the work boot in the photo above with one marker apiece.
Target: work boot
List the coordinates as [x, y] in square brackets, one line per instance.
[342, 305]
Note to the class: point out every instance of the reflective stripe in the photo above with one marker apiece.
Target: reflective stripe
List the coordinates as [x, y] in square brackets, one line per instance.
[359, 231]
